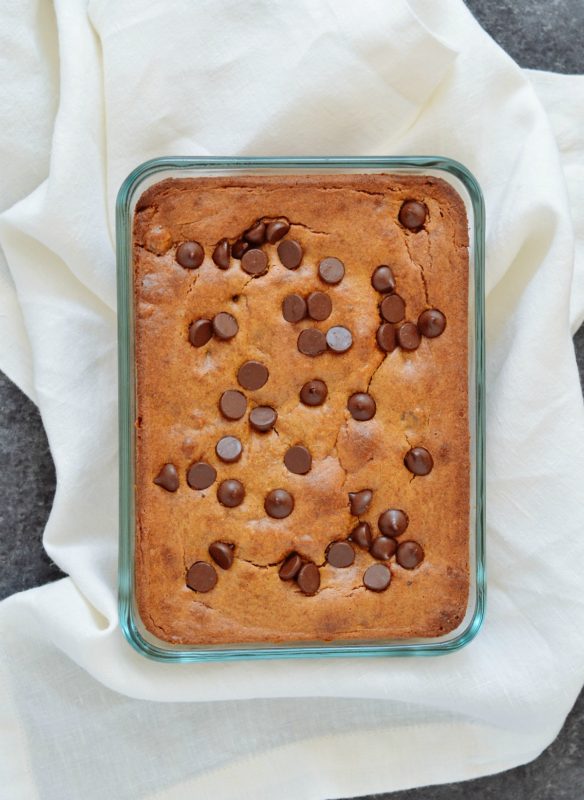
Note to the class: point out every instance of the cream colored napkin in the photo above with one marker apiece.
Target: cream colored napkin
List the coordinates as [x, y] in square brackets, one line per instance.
[133, 79]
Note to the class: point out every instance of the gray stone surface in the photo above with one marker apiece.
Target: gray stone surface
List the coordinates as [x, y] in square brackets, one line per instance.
[545, 34]
[27, 486]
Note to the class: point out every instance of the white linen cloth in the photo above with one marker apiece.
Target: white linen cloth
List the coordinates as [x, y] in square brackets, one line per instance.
[95, 88]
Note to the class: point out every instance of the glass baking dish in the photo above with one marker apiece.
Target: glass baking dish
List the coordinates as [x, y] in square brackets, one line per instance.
[158, 169]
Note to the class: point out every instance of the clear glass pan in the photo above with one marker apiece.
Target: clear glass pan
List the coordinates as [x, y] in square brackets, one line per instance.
[181, 167]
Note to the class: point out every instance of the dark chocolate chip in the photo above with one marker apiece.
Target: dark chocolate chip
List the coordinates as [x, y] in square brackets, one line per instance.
[377, 578]
[308, 579]
[239, 248]
[222, 554]
[298, 459]
[314, 393]
[339, 339]
[290, 568]
[386, 337]
[276, 230]
[393, 522]
[319, 306]
[382, 279]
[393, 308]
[290, 253]
[362, 406]
[408, 336]
[359, 502]
[232, 404]
[361, 535]
[279, 503]
[412, 214]
[409, 555]
[224, 325]
[311, 342]
[419, 461]
[201, 577]
[190, 255]
[229, 449]
[230, 493]
[252, 375]
[431, 323]
[383, 548]
[293, 308]
[256, 235]
[331, 270]
[200, 332]
[221, 254]
[167, 478]
[340, 554]
[254, 262]
[201, 475]
[263, 418]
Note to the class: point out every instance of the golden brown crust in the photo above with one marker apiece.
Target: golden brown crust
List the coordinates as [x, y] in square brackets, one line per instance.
[421, 400]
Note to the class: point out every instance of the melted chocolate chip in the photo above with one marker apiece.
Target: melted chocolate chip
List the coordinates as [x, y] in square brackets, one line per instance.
[232, 404]
[221, 254]
[190, 255]
[419, 461]
[290, 253]
[393, 308]
[290, 568]
[252, 375]
[331, 270]
[412, 215]
[276, 230]
[293, 308]
[377, 578]
[224, 325]
[254, 262]
[319, 306]
[361, 535]
[308, 579]
[409, 555]
[167, 478]
[201, 475]
[279, 503]
[256, 235]
[382, 279]
[230, 493]
[201, 577]
[340, 554]
[408, 336]
[263, 418]
[229, 449]
[385, 337]
[222, 554]
[362, 406]
[359, 502]
[239, 248]
[314, 393]
[200, 332]
[393, 522]
[431, 323]
[339, 339]
[311, 342]
[383, 548]
[298, 459]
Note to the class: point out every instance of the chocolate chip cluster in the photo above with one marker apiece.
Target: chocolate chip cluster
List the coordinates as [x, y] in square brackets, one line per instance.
[340, 554]
[393, 331]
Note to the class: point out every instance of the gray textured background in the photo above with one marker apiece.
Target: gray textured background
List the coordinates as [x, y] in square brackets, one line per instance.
[544, 34]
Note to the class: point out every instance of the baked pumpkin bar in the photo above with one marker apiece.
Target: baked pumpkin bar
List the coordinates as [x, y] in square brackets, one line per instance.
[302, 430]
